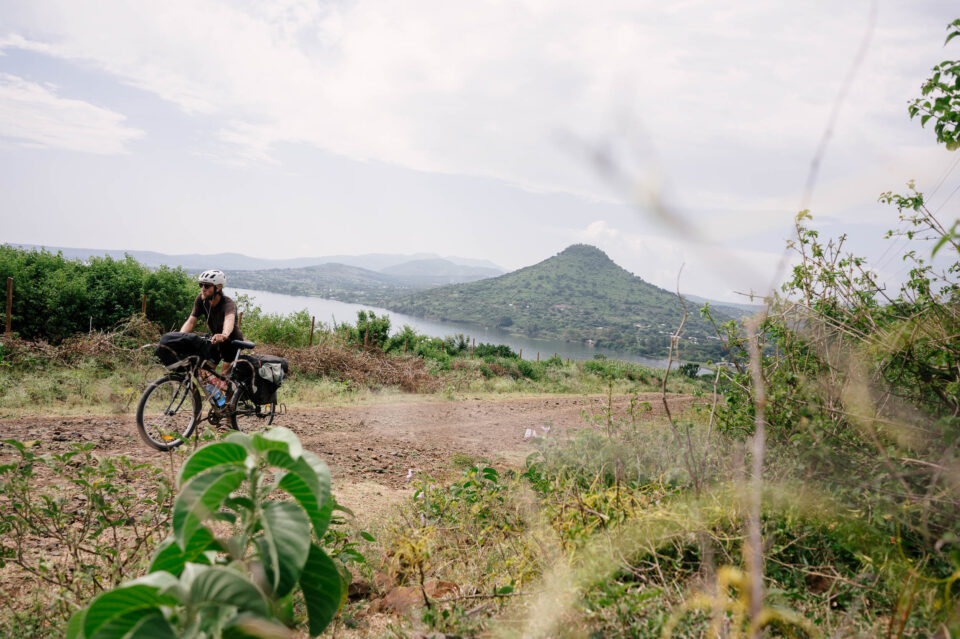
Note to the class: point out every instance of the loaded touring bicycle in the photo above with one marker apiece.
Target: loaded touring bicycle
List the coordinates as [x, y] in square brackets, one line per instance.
[171, 408]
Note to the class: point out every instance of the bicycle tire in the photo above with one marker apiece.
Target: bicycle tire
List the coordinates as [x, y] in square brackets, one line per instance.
[168, 412]
[246, 415]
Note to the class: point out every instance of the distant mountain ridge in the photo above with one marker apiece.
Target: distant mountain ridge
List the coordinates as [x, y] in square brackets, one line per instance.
[332, 281]
[438, 272]
[578, 295]
[352, 283]
[237, 261]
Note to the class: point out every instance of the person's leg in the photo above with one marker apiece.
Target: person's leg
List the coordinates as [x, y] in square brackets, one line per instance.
[229, 353]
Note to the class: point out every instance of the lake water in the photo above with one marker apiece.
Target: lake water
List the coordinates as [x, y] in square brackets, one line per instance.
[329, 311]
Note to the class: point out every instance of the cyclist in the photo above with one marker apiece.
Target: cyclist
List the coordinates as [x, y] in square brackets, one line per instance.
[220, 313]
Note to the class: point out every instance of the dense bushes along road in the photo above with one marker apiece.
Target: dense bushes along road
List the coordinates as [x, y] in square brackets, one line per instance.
[55, 298]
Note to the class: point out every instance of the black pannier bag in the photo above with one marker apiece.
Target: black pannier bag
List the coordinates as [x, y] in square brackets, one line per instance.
[264, 374]
[177, 347]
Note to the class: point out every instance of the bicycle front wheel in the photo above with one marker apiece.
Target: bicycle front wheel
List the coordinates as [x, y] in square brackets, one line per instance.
[168, 412]
[246, 415]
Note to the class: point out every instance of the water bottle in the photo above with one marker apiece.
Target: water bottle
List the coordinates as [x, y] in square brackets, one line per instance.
[216, 394]
[214, 390]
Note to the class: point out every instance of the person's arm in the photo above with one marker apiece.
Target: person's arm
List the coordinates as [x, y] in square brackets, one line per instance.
[228, 321]
[189, 324]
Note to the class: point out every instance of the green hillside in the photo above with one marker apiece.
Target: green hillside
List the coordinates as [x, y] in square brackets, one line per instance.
[579, 295]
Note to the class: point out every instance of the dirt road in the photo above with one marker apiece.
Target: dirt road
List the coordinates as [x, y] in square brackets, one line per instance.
[374, 443]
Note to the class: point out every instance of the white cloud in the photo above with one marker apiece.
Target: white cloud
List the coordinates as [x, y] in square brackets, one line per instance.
[34, 115]
[484, 88]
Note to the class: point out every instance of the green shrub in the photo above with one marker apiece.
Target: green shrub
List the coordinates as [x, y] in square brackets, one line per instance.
[690, 369]
[495, 350]
[370, 332]
[554, 361]
[55, 298]
[236, 556]
[281, 330]
[91, 503]
[405, 341]
[530, 370]
[613, 369]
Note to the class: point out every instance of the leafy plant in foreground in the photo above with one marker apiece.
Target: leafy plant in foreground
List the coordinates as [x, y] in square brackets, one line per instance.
[236, 555]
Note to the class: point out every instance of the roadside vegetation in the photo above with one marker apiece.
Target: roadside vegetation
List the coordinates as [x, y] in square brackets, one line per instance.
[105, 371]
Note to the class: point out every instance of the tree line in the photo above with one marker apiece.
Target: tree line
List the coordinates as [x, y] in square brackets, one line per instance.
[55, 297]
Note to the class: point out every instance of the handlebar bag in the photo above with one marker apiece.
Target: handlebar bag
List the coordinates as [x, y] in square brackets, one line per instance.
[175, 349]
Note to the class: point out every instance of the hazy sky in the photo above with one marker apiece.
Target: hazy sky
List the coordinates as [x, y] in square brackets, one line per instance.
[500, 130]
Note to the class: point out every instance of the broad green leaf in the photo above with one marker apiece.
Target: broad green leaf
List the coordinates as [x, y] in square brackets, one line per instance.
[241, 502]
[327, 503]
[155, 627]
[244, 626]
[237, 437]
[161, 580]
[200, 496]
[171, 558]
[284, 546]
[74, 629]
[322, 588]
[212, 456]
[136, 624]
[279, 438]
[262, 445]
[306, 486]
[127, 625]
[221, 586]
[121, 608]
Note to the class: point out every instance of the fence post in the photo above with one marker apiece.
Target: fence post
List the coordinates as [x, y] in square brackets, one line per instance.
[521, 353]
[239, 319]
[313, 322]
[404, 345]
[143, 305]
[9, 303]
[366, 338]
[538, 357]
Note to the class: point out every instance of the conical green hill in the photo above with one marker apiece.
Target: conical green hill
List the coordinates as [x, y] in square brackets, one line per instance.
[578, 295]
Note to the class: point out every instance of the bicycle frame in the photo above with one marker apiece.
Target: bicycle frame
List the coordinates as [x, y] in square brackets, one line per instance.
[231, 384]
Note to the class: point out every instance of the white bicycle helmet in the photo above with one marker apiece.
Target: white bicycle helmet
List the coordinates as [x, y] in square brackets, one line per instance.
[215, 277]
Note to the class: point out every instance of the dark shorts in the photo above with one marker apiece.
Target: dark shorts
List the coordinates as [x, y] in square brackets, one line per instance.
[225, 351]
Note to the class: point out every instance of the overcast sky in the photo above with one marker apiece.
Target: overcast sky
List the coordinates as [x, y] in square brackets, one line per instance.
[665, 133]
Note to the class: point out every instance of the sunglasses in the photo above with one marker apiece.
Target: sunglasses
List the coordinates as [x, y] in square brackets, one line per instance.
[206, 285]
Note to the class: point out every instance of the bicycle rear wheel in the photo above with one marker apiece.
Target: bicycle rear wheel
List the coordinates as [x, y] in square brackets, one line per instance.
[246, 415]
[168, 412]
